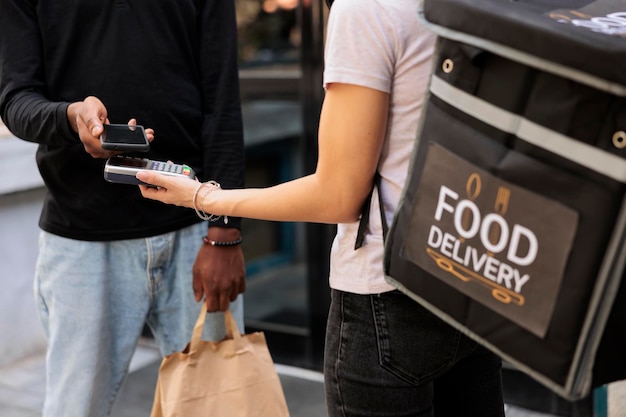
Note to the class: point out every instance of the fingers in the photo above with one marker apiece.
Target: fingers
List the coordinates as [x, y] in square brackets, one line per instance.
[217, 293]
[240, 290]
[150, 134]
[160, 187]
[90, 142]
[94, 115]
[87, 118]
[163, 182]
[153, 191]
[220, 299]
[151, 178]
[216, 302]
[198, 293]
[149, 192]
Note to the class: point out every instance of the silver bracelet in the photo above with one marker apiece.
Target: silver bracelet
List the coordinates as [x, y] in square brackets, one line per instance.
[213, 185]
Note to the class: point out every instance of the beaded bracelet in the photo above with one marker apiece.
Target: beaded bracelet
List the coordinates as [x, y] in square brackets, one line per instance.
[212, 185]
[235, 242]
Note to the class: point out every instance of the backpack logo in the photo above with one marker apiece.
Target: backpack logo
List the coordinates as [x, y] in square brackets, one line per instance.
[501, 245]
[503, 279]
[599, 17]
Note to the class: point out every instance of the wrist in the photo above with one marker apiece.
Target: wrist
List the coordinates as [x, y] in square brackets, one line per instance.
[223, 233]
[198, 200]
[72, 113]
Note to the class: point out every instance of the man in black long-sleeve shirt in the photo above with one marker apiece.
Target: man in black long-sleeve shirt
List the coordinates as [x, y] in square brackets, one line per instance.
[109, 259]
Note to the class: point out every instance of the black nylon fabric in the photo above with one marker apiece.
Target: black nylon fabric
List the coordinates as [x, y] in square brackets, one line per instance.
[569, 108]
[525, 26]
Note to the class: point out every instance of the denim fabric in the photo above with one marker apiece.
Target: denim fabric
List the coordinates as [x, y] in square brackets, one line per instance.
[94, 298]
[386, 356]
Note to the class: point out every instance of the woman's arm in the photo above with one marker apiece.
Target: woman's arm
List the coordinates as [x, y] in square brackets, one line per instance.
[351, 134]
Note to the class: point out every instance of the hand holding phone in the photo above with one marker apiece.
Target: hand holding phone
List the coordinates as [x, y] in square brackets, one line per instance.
[125, 138]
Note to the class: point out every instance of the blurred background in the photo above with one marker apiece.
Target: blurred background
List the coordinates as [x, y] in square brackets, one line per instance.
[281, 63]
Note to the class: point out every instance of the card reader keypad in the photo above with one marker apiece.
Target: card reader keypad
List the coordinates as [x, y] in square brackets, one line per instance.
[173, 168]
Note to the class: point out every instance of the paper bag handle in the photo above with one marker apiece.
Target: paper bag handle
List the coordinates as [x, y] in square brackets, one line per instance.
[232, 331]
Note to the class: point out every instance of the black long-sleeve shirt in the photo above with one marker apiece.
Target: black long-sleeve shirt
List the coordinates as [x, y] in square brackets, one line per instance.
[171, 64]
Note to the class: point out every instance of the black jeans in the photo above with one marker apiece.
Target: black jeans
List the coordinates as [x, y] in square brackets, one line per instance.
[386, 356]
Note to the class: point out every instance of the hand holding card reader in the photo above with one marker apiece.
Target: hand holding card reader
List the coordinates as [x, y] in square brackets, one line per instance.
[123, 169]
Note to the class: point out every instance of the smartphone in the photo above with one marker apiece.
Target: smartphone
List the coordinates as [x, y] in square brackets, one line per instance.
[126, 138]
[123, 169]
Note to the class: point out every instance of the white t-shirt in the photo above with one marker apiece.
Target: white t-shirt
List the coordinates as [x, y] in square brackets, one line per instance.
[379, 44]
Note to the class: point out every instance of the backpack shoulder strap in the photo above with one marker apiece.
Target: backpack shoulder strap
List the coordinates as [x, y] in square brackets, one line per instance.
[365, 214]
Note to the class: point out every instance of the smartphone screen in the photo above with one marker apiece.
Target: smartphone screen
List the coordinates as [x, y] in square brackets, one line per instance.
[129, 138]
[138, 163]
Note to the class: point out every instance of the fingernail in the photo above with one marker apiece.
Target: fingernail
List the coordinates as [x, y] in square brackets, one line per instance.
[141, 175]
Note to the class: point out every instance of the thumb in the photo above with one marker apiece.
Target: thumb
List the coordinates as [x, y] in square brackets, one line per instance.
[94, 115]
[147, 177]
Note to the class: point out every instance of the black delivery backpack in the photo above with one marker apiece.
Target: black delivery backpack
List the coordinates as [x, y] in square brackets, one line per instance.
[512, 222]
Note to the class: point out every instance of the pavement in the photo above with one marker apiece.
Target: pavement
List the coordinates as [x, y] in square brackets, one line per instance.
[22, 389]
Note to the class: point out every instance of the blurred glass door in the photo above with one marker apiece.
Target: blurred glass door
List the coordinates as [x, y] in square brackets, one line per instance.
[280, 56]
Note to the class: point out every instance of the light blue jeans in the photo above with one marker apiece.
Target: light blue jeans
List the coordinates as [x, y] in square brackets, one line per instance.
[94, 299]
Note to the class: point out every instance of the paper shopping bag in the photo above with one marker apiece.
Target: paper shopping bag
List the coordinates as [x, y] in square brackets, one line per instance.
[235, 377]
